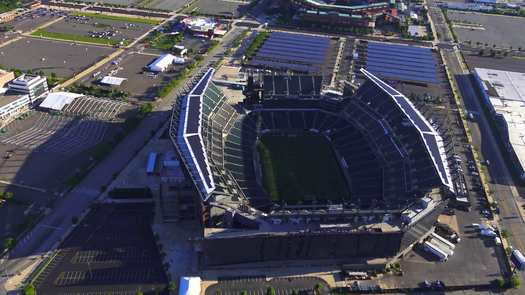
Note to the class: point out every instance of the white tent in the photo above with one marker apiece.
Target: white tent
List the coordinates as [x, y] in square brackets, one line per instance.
[58, 100]
[110, 80]
[162, 63]
[190, 286]
[179, 60]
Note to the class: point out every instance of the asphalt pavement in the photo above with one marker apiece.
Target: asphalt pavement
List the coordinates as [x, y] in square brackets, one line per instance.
[42, 240]
[499, 177]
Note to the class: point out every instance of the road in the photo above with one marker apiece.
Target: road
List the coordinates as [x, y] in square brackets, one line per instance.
[499, 176]
[46, 236]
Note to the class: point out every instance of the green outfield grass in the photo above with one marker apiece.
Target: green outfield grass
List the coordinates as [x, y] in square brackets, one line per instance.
[128, 19]
[297, 168]
[73, 37]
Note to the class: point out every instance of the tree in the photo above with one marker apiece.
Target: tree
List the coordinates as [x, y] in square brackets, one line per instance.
[8, 196]
[9, 243]
[270, 291]
[29, 290]
[515, 281]
[172, 286]
[140, 293]
[244, 292]
[318, 288]
[146, 109]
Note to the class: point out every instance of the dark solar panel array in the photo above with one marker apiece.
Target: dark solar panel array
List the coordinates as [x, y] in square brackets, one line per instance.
[199, 88]
[413, 114]
[193, 115]
[433, 147]
[407, 63]
[198, 151]
[296, 52]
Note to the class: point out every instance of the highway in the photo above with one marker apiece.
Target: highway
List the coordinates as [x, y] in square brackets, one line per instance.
[47, 234]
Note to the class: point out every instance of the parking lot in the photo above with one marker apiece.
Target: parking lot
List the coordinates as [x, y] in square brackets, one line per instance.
[32, 19]
[140, 84]
[168, 5]
[65, 59]
[510, 63]
[111, 252]
[260, 285]
[114, 30]
[114, 2]
[502, 31]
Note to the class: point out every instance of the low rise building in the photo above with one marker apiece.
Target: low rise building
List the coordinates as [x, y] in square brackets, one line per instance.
[503, 93]
[12, 106]
[34, 86]
[7, 16]
[6, 77]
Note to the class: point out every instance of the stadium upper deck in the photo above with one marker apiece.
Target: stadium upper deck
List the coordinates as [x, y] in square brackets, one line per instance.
[216, 143]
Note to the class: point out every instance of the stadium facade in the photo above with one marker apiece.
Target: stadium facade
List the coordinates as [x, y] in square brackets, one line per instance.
[503, 94]
[341, 13]
[393, 159]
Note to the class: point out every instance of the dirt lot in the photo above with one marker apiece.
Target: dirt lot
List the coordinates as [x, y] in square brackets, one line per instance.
[63, 58]
[503, 31]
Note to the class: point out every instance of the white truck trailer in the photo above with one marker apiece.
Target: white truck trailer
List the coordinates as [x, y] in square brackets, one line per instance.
[436, 251]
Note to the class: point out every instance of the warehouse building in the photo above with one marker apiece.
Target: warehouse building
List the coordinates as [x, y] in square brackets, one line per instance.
[504, 95]
[34, 86]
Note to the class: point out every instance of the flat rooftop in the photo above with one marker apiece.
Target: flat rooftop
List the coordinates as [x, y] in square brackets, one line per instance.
[506, 91]
[7, 99]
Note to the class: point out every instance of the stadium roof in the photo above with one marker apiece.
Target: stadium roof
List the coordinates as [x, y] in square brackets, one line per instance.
[323, 5]
[190, 139]
[58, 100]
[433, 141]
[505, 93]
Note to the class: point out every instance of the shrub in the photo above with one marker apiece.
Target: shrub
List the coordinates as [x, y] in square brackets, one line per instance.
[515, 281]
[29, 290]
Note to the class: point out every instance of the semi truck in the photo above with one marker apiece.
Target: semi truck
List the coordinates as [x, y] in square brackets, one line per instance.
[443, 240]
[518, 259]
[441, 246]
[442, 256]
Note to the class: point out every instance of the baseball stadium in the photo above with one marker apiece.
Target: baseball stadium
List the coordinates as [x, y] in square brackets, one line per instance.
[356, 180]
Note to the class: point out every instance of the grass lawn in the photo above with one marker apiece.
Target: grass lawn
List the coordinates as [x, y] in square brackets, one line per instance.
[304, 167]
[164, 41]
[127, 19]
[73, 37]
